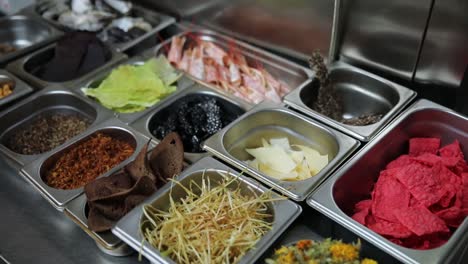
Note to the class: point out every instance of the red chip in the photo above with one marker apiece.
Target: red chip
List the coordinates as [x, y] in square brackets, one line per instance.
[421, 183]
[464, 191]
[452, 150]
[452, 216]
[420, 220]
[386, 228]
[389, 194]
[418, 146]
[362, 211]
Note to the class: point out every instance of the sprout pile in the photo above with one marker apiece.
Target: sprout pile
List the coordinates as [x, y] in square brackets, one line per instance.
[213, 223]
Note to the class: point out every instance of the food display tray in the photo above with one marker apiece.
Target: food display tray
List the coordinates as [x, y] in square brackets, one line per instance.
[292, 74]
[270, 120]
[59, 198]
[362, 92]
[128, 228]
[353, 181]
[312, 225]
[95, 81]
[20, 67]
[105, 241]
[46, 100]
[25, 33]
[143, 123]
[20, 88]
[157, 20]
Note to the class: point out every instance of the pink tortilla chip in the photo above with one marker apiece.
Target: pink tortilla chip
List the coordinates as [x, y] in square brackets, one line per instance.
[452, 216]
[421, 183]
[389, 194]
[464, 191]
[452, 150]
[450, 181]
[392, 229]
[418, 146]
[420, 220]
[401, 161]
[362, 210]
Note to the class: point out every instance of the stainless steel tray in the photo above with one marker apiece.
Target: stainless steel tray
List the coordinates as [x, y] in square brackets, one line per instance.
[105, 241]
[50, 99]
[157, 20]
[353, 182]
[270, 120]
[128, 228]
[312, 225]
[127, 118]
[59, 198]
[142, 124]
[20, 67]
[26, 34]
[363, 93]
[20, 88]
[292, 74]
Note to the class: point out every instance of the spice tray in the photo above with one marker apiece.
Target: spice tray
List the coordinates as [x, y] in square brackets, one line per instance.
[127, 118]
[268, 120]
[26, 67]
[107, 242]
[284, 211]
[50, 100]
[157, 115]
[36, 171]
[362, 92]
[19, 90]
[311, 225]
[25, 34]
[353, 181]
[290, 73]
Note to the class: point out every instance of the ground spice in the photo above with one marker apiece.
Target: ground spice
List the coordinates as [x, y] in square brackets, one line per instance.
[85, 162]
[329, 102]
[46, 132]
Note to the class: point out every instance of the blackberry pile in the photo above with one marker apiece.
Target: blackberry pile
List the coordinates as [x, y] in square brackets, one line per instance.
[195, 119]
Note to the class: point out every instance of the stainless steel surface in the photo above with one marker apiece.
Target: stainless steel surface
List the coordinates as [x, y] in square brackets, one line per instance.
[268, 120]
[384, 35]
[142, 125]
[35, 171]
[293, 28]
[292, 74]
[47, 100]
[444, 56]
[337, 196]
[284, 211]
[312, 225]
[157, 20]
[180, 8]
[25, 34]
[362, 93]
[95, 80]
[34, 232]
[23, 67]
[20, 88]
[105, 241]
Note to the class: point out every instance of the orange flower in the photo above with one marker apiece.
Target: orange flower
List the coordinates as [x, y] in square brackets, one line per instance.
[303, 244]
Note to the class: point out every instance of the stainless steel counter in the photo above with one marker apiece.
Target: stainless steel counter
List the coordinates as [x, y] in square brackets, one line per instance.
[32, 231]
